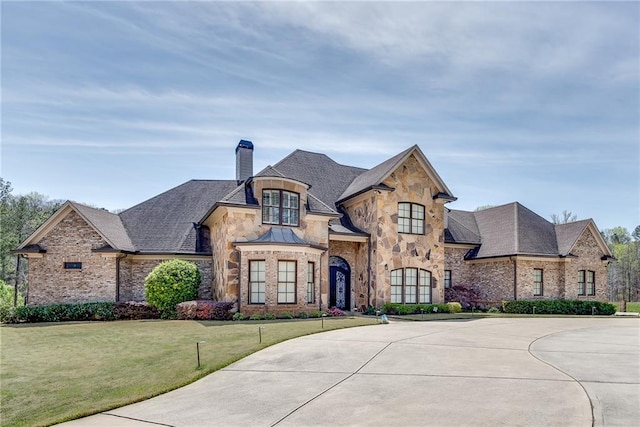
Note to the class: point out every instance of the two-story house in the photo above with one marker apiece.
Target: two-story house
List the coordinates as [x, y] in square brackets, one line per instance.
[308, 233]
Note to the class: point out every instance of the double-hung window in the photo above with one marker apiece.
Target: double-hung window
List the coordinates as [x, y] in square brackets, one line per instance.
[410, 286]
[591, 282]
[280, 207]
[582, 290]
[447, 278]
[538, 285]
[286, 282]
[256, 282]
[311, 283]
[410, 218]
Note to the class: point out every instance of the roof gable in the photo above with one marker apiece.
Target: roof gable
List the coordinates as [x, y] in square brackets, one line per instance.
[108, 225]
[374, 177]
[568, 235]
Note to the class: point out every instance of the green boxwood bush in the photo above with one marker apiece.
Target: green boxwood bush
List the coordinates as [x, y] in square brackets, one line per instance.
[256, 316]
[559, 306]
[170, 283]
[66, 312]
[455, 307]
[286, 315]
[303, 315]
[405, 309]
[238, 316]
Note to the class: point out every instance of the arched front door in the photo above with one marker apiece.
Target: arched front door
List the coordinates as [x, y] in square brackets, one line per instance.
[339, 283]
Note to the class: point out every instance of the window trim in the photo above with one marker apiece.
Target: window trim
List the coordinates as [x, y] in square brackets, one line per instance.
[590, 286]
[72, 265]
[447, 279]
[280, 207]
[411, 218]
[294, 282]
[538, 284]
[421, 274]
[311, 285]
[251, 283]
[582, 282]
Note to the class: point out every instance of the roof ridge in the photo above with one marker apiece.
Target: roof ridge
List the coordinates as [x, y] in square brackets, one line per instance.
[464, 226]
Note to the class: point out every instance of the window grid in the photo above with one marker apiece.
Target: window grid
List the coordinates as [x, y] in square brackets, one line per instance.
[256, 282]
[447, 278]
[311, 283]
[591, 282]
[280, 207]
[581, 283]
[286, 282]
[410, 218]
[410, 286]
[538, 286]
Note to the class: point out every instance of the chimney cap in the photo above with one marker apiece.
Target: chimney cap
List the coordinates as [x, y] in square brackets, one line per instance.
[244, 144]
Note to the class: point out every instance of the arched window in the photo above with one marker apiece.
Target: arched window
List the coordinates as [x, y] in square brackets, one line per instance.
[411, 286]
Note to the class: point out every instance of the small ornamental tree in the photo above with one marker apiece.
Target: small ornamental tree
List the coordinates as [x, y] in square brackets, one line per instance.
[170, 283]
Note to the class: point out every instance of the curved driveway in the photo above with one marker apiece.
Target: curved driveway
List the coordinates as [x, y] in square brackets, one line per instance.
[494, 371]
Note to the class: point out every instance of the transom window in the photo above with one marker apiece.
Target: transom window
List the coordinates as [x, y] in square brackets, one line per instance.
[538, 286]
[256, 282]
[311, 283]
[73, 266]
[280, 207]
[411, 286]
[410, 218]
[586, 282]
[286, 282]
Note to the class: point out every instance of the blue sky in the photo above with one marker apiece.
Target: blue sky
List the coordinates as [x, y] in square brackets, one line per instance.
[110, 103]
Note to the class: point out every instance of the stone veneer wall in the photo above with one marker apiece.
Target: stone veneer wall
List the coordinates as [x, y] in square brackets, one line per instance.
[134, 270]
[378, 215]
[355, 254]
[271, 304]
[230, 225]
[588, 258]
[71, 240]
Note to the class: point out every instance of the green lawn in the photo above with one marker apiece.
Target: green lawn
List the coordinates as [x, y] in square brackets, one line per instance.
[631, 306]
[50, 373]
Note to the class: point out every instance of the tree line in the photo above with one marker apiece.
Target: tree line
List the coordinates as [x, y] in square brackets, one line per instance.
[21, 215]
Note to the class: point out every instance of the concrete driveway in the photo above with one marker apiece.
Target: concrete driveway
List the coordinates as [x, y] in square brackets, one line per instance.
[497, 371]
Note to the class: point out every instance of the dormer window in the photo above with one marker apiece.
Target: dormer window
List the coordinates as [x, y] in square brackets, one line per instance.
[280, 207]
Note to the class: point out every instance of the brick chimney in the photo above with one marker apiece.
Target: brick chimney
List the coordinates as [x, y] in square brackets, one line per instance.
[244, 160]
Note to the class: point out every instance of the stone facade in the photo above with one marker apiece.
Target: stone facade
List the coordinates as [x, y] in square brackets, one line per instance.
[355, 254]
[71, 240]
[377, 214]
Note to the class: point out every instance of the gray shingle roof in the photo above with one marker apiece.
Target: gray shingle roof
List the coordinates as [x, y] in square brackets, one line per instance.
[108, 224]
[164, 223]
[511, 229]
[281, 235]
[327, 179]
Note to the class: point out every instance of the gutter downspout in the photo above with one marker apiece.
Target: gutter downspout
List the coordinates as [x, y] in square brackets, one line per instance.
[118, 259]
[369, 271]
[320, 285]
[515, 278]
[239, 278]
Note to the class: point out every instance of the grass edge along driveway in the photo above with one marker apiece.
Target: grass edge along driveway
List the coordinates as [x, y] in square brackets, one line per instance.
[55, 372]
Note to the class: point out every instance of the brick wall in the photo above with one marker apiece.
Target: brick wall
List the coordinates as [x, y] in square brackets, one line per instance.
[71, 240]
[588, 258]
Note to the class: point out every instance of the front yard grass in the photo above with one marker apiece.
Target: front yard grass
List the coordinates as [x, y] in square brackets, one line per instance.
[631, 306]
[51, 373]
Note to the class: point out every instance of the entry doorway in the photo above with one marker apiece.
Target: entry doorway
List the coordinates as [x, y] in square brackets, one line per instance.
[339, 283]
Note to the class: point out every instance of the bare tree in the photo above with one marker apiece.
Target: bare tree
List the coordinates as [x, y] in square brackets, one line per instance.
[564, 218]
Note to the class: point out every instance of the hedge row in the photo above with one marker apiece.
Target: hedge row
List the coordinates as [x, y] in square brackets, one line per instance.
[204, 310]
[129, 310]
[559, 306]
[403, 309]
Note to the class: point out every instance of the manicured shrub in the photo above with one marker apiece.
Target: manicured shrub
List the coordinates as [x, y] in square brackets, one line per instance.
[170, 283]
[238, 316]
[560, 306]
[269, 316]
[335, 312]
[454, 307]
[369, 311]
[204, 310]
[493, 310]
[286, 315]
[135, 310]
[406, 309]
[315, 314]
[256, 316]
[66, 312]
[303, 315]
[468, 296]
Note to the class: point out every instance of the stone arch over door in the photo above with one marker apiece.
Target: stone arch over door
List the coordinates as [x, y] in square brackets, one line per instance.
[339, 283]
